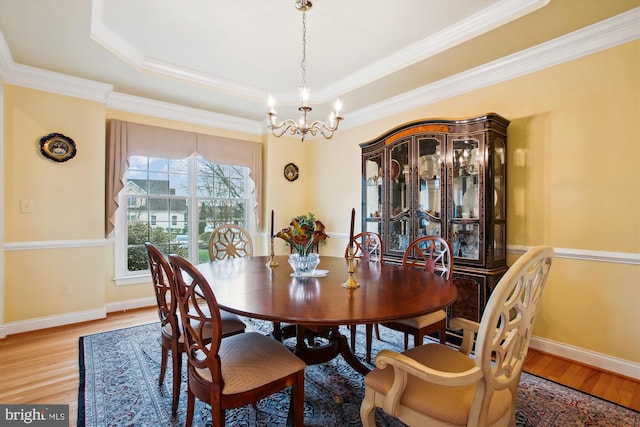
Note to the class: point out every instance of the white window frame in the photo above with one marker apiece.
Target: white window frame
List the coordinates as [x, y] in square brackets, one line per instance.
[123, 276]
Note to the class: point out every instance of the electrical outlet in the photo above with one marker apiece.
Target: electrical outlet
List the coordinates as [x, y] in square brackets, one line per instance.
[66, 289]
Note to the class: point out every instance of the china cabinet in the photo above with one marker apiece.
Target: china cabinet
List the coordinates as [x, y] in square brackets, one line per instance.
[445, 178]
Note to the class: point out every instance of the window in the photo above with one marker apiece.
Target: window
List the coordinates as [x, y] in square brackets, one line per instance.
[175, 204]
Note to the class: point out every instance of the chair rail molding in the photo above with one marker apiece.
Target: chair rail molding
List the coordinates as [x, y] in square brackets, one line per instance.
[53, 244]
[585, 255]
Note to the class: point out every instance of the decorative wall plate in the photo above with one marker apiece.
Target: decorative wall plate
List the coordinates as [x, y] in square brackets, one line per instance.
[57, 147]
[291, 172]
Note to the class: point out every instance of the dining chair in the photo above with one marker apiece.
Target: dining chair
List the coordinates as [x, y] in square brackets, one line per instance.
[229, 241]
[235, 371]
[171, 336]
[434, 384]
[432, 254]
[367, 247]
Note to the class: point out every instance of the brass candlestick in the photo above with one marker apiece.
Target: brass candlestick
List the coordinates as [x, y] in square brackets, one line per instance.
[271, 262]
[351, 282]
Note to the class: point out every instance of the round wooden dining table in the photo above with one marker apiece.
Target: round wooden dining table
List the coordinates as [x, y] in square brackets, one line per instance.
[249, 287]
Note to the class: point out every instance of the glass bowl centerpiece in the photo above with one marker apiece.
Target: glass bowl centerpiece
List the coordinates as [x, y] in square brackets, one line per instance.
[303, 236]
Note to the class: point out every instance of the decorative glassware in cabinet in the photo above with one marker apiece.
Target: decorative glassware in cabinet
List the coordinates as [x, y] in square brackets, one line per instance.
[466, 165]
[465, 240]
[399, 197]
[429, 191]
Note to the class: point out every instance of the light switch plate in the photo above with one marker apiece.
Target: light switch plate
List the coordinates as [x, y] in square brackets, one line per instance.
[26, 206]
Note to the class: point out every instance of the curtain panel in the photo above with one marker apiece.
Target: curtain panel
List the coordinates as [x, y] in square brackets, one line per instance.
[125, 139]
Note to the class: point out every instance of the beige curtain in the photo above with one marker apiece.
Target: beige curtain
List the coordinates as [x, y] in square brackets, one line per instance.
[126, 139]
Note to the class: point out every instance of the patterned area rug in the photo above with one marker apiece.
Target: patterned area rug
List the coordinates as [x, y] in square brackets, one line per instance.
[119, 387]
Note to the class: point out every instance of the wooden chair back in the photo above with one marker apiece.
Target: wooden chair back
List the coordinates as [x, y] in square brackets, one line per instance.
[368, 247]
[507, 322]
[430, 253]
[230, 241]
[274, 366]
[170, 325]
[163, 286]
[480, 390]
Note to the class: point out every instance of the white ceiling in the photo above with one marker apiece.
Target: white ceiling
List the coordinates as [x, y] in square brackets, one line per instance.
[227, 56]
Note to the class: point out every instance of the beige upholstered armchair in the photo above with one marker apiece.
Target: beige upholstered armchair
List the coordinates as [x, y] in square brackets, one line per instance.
[436, 385]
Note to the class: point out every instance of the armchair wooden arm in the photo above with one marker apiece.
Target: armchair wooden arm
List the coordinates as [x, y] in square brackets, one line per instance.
[402, 363]
[469, 330]
[404, 366]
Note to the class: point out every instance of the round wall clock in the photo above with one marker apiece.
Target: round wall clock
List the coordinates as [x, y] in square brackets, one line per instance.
[291, 172]
[57, 147]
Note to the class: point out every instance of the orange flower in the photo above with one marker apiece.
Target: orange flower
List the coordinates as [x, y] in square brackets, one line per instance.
[303, 234]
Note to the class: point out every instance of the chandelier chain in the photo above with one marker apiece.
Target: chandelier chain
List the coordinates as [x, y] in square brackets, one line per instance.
[303, 63]
[301, 126]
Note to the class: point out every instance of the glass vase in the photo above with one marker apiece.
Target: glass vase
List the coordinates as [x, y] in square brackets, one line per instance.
[304, 265]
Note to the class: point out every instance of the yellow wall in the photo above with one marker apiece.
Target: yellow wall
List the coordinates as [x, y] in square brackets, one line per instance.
[573, 156]
[574, 183]
[68, 205]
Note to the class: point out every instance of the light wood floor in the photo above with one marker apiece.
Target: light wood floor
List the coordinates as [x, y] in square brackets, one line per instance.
[41, 367]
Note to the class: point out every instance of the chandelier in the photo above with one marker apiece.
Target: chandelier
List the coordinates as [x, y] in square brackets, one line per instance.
[302, 127]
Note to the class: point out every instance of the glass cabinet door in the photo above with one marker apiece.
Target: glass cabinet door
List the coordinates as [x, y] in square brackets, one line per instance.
[398, 179]
[373, 189]
[429, 207]
[499, 208]
[466, 159]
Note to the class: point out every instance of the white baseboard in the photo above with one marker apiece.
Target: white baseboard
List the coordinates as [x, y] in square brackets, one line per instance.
[74, 317]
[130, 304]
[51, 321]
[577, 354]
[587, 357]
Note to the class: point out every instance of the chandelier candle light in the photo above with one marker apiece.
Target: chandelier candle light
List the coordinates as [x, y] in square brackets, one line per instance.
[302, 127]
[351, 282]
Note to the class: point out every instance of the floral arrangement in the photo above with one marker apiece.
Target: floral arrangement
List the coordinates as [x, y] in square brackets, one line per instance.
[303, 234]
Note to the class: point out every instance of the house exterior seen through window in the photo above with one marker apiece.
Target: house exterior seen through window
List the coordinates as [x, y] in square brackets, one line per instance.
[176, 204]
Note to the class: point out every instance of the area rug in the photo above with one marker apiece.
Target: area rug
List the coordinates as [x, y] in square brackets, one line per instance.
[119, 387]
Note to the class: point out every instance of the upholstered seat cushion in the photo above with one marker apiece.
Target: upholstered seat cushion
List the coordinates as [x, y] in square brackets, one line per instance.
[448, 404]
[250, 360]
[422, 321]
[230, 324]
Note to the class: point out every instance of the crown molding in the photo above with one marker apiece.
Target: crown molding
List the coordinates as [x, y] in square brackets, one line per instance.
[49, 81]
[600, 36]
[482, 22]
[603, 35]
[165, 110]
[479, 23]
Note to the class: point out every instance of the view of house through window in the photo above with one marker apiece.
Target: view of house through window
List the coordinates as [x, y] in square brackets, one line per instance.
[176, 204]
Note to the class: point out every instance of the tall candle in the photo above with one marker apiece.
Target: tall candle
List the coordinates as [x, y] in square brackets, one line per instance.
[271, 222]
[353, 218]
